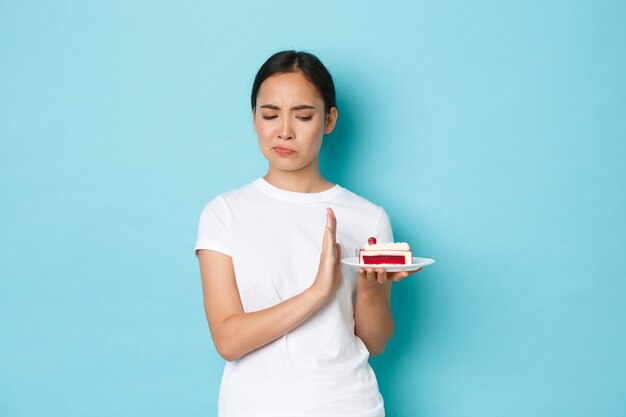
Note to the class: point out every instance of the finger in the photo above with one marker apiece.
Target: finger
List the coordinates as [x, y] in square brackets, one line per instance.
[329, 219]
[334, 224]
[399, 276]
[338, 254]
[413, 272]
[381, 276]
[361, 273]
[369, 273]
[327, 242]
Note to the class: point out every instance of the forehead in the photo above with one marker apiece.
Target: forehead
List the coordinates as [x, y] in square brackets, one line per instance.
[288, 87]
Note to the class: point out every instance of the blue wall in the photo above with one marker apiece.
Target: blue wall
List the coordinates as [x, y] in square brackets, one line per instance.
[493, 133]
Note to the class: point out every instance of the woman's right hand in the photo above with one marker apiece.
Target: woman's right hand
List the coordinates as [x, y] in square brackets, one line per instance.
[328, 275]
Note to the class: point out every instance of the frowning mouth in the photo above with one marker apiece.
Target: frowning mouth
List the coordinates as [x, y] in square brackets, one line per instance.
[284, 151]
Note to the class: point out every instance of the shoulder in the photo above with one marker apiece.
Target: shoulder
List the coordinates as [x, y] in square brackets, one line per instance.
[216, 221]
[360, 213]
[360, 218]
[225, 200]
[219, 210]
[360, 203]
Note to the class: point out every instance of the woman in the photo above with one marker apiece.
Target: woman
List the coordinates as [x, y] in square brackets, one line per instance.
[295, 327]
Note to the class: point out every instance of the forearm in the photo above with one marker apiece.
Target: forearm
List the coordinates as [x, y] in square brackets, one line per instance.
[373, 318]
[243, 333]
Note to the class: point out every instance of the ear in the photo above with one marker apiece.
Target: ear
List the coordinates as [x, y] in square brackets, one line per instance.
[254, 119]
[331, 120]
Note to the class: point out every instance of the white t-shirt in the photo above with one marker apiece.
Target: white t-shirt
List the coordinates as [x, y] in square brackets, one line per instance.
[274, 238]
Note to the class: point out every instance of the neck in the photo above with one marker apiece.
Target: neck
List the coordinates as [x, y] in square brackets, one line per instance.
[301, 181]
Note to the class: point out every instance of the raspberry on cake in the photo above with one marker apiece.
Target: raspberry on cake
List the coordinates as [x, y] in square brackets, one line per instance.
[385, 253]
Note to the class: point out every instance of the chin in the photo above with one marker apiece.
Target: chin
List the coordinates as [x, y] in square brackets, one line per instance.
[286, 165]
[281, 165]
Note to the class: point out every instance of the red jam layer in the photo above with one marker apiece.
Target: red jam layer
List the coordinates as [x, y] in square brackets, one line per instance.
[384, 259]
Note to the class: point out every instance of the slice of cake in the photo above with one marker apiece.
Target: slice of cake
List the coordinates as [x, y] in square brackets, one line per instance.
[385, 253]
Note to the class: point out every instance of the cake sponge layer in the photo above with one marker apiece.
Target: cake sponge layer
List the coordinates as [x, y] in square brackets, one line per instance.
[378, 257]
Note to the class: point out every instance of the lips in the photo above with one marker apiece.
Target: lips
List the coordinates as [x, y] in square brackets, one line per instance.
[284, 151]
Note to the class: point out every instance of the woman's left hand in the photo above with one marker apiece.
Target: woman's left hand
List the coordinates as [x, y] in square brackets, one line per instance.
[375, 278]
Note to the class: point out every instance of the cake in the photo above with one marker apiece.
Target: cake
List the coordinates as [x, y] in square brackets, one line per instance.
[392, 253]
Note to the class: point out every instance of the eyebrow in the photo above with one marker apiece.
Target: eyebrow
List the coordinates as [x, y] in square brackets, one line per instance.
[299, 107]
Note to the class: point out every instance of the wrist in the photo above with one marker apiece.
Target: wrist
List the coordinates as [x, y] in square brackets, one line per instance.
[315, 296]
[372, 292]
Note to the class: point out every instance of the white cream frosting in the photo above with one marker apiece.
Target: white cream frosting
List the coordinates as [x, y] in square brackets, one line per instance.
[387, 246]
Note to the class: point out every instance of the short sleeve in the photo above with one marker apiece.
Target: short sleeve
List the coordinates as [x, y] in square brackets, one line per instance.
[383, 231]
[214, 227]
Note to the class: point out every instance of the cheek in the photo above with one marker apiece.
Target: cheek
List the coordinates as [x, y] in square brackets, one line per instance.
[315, 132]
[263, 132]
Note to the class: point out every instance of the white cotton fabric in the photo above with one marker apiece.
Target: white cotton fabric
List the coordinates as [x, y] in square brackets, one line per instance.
[275, 237]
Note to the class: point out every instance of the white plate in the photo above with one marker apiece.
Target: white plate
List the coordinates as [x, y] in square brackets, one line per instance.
[417, 264]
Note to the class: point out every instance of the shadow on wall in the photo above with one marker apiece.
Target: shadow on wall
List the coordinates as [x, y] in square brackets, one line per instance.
[341, 161]
[336, 148]
[409, 305]
[339, 156]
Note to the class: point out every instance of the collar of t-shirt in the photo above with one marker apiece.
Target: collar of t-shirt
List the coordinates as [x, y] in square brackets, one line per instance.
[297, 197]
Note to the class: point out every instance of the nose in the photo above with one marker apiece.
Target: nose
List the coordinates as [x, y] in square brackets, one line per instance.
[286, 132]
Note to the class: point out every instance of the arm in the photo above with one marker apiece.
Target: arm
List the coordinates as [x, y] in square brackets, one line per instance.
[372, 316]
[235, 332]
[372, 311]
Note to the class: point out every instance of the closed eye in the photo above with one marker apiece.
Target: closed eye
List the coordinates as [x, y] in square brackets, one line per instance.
[303, 118]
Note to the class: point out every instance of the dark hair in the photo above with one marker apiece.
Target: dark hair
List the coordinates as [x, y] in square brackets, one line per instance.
[293, 61]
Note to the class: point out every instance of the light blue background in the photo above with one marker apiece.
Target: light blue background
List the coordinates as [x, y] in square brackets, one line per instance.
[493, 132]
